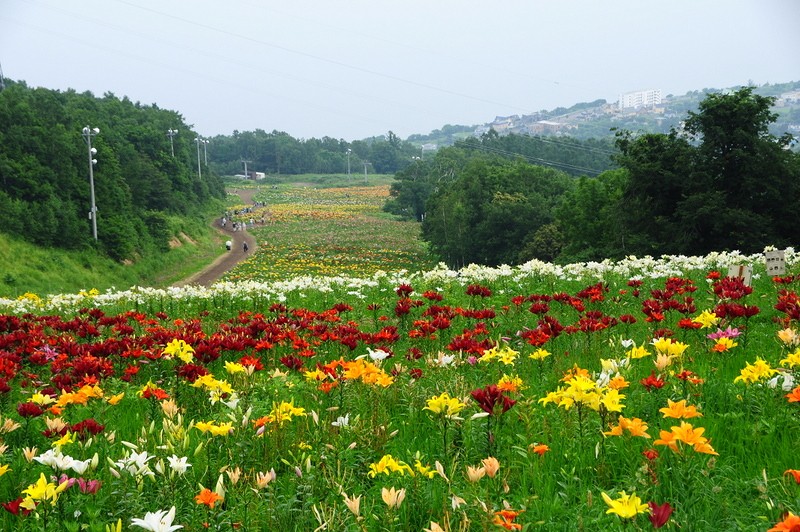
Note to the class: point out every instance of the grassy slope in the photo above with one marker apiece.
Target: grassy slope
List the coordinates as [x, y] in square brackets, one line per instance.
[25, 267]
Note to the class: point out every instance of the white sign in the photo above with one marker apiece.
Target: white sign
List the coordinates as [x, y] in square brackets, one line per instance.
[743, 271]
[776, 263]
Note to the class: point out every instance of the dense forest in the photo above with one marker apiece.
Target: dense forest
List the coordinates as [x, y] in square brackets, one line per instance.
[44, 171]
[722, 182]
[280, 153]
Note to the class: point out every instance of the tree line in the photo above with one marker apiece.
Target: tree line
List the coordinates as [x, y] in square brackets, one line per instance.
[138, 181]
[279, 153]
[721, 182]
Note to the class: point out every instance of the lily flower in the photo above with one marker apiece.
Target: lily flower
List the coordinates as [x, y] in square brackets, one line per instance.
[627, 506]
[160, 521]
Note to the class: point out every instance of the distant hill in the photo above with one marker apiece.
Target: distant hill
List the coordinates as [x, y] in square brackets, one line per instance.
[598, 118]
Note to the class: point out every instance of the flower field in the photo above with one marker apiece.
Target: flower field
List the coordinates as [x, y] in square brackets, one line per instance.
[647, 393]
[327, 231]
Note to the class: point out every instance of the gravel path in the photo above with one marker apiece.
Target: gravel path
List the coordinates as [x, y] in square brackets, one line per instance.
[228, 259]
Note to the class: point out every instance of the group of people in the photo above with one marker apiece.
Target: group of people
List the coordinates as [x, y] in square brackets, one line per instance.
[229, 246]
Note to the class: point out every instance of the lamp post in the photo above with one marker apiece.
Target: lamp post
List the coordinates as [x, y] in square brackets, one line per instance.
[199, 172]
[171, 133]
[205, 151]
[88, 133]
[349, 151]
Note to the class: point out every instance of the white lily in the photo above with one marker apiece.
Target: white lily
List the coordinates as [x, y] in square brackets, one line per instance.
[160, 521]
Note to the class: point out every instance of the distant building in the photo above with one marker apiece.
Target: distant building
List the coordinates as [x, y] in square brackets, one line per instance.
[788, 98]
[545, 126]
[431, 146]
[648, 98]
[501, 124]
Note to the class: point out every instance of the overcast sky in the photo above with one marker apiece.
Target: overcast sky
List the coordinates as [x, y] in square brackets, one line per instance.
[357, 68]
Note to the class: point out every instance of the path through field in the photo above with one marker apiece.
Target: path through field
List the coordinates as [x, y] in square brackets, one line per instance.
[228, 259]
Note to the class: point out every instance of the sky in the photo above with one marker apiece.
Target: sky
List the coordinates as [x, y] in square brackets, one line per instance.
[352, 69]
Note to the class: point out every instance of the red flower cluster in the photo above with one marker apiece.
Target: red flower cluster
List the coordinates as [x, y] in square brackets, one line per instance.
[492, 400]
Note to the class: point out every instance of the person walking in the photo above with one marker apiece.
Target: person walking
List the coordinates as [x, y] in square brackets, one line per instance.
[244, 247]
[228, 245]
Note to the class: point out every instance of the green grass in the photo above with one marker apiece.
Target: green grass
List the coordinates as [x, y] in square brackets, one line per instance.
[29, 268]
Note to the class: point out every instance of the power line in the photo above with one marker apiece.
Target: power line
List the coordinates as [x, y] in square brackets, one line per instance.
[320, 58]
[531, 158]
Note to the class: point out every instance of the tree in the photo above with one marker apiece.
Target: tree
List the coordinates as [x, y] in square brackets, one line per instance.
[724, 183]
[44, 196]
[490, 209]
[588, 218]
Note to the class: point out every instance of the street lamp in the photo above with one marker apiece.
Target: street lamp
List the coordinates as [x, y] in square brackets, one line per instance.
[197, 141]
[171, 133]
[349, 151]
[88, 133]
[205, 150]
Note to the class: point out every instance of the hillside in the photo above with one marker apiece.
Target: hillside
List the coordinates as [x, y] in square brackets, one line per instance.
[597, 119]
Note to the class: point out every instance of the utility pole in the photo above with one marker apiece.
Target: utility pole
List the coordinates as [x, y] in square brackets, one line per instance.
[246, 175]
[349, 151]
[365, 171]
[199, 172]
[171, 133]
[88, 133]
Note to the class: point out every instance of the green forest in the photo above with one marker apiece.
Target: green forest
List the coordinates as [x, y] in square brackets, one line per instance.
[723, 182]
[138, 182]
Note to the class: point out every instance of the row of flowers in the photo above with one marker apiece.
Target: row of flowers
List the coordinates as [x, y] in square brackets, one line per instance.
[473, 394]
[631, 267]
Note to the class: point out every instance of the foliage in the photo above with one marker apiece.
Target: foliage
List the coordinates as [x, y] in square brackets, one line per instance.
[43, 170]
[588, 217]
[189, 245]
[725, 184]
[278, 153]
[489, 209]
[572, 156]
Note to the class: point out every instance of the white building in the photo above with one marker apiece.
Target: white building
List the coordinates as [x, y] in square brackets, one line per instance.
[648, 98]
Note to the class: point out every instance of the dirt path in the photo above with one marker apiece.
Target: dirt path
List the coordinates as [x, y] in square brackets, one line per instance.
[228, 259]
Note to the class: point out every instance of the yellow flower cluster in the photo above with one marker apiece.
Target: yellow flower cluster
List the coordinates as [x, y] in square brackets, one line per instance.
[42, 491]
[285, 411]
[792, 360]
[503, 353]
[635, 427]
[210, 383]
[627, 506]
[706, 319]
[223, 429]
[580, 389]
[755, 372]
[669, 347]
[388, 465]
[180, 349]
[446, 405]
